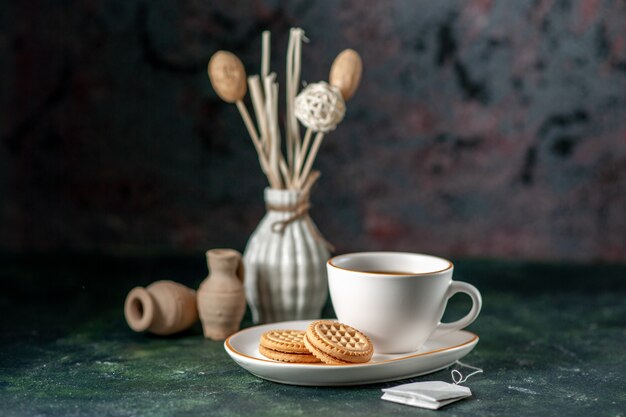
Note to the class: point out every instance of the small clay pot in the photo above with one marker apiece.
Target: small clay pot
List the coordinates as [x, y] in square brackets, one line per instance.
[163, 308]
[221, 296]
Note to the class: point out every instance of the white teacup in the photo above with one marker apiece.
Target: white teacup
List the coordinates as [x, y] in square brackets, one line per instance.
[396, 298]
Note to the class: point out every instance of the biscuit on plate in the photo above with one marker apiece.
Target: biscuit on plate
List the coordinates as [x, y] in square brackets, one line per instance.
[285, 346]
[336, 343]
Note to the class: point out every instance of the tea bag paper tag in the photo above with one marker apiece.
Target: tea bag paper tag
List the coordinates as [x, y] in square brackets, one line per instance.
[429, 394]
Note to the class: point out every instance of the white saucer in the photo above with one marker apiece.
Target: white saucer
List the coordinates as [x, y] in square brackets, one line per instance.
[437, 353]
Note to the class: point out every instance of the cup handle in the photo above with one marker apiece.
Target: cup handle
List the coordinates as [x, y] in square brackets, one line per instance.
[477, 302]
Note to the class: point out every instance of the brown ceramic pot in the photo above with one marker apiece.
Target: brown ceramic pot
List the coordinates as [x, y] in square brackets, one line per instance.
[163, 308]
[221, 297]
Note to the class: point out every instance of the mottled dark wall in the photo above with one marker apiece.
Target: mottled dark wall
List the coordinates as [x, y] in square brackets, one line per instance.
[482, 128]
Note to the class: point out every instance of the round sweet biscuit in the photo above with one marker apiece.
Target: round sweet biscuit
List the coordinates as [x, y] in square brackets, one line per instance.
[340, 341]
[289, 341]
[327, 359]
[288, 357]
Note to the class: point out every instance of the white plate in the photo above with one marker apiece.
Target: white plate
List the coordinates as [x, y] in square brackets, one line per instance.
[437, 353]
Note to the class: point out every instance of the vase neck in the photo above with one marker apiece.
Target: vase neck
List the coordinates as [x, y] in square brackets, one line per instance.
[223, 261]
[139, 309]
[283, 199]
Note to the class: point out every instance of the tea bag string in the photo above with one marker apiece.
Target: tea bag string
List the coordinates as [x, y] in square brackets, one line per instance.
[458, 377]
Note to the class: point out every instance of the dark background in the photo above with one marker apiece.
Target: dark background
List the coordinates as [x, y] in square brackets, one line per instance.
[481, 128]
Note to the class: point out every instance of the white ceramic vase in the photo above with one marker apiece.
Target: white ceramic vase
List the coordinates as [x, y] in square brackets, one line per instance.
[285, 262]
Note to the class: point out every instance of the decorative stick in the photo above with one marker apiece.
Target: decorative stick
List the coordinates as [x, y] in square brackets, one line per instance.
[271, 106]
[345, 76]
[284, 169]
[289, 139]
[265, 68]
[302, 154]
[320, 108]
[299, 37]
[265, 54]
[306, 188]
[259, 109]
[257, 143]
[266, 82]
[228, 78]
[271, 111]
[310, 159]
[278, 155]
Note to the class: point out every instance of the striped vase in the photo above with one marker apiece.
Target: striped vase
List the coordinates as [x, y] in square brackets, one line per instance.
[285, 262]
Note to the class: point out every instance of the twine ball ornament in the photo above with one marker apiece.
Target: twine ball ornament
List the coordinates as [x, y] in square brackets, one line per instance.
[320, 107]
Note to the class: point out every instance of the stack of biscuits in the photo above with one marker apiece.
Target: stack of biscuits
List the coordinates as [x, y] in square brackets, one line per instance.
[326, 341]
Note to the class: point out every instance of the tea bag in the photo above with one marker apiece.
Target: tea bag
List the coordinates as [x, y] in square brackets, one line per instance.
[431, 394]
